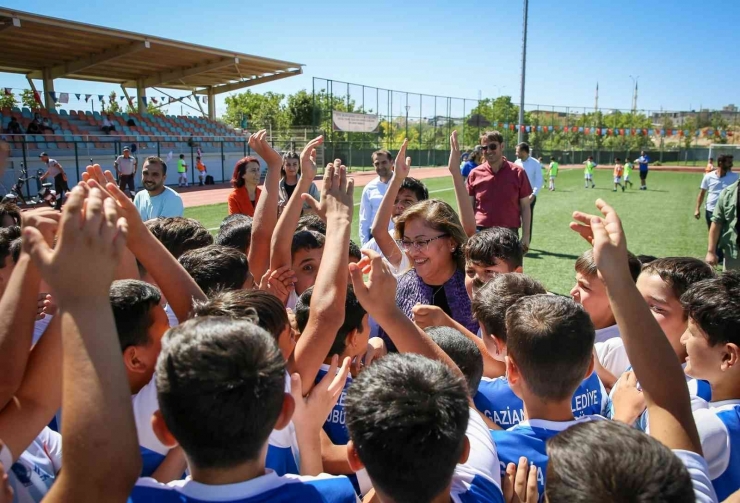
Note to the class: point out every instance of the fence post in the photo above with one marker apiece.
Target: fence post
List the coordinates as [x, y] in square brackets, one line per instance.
[223, 160]
[77, 163]
[25, 165]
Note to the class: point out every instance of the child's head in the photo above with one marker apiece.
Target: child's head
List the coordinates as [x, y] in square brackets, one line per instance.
[712, 339]
[237, 234]
[407, 416]
[609, 461]
[355, 255]
[662, 282]
[263, 308]
[10, 215]
[553, 159]
[590, 291]
[311, 222]
[10, 250]
[233, 218]
[491, 302]
[141, 322]
[490, 252]
[411, 192]
[306, 251]
[218, 267]
[462, 351]
[179, 234]
[221, 391]
[352, 337]
[550, 342]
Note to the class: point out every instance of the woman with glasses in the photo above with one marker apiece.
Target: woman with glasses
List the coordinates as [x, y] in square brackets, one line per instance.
[290, 173]
[243, 199]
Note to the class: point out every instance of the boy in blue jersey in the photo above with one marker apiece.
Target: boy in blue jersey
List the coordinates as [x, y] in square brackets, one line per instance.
[713, 347]
[603, 461]
[495, 397]
[661, 283]
[412, 428]
[549, 353]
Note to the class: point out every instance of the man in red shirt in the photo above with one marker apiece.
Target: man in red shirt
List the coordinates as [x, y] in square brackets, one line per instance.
[500, 190]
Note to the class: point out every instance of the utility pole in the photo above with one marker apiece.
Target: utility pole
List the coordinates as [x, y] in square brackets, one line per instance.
[524, 68]
[408, 107]
[634, 93]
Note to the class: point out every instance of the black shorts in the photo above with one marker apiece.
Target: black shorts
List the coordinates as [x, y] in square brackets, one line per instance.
[643, 174]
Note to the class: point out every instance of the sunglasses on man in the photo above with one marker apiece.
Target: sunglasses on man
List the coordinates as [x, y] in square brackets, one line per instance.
[492, 147]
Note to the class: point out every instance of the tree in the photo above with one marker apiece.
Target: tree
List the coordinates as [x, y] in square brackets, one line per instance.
[262, 111]
[7, 100]
[300, 109]
[113, 106]
[29, 100]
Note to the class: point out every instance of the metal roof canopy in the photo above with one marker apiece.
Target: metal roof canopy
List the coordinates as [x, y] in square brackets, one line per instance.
[48, 48]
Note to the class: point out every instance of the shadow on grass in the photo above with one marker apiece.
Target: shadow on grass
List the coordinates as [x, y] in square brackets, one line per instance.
[538, 254]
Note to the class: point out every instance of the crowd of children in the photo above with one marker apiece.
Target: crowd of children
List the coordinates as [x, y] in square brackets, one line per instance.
[278, 362]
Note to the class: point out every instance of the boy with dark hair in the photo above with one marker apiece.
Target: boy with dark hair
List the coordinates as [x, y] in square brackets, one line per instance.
[589, 172]
[462, 351]
[8, 254]
[179, 234]
[549, 353]
[224, 435]
[311, 222]
[236, 234]
[393, 443]
[649, 469]
[712, 343]
[618, 172]
[234, 217]
[590, 292]
[355, 255]
[553, 172]
[490, 252]
[217, 267]
[496, 398]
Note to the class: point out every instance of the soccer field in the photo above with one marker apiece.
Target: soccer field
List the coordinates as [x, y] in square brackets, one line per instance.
[658, 221]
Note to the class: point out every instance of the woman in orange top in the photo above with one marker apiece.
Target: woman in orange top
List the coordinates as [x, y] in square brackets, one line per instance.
[243, 199]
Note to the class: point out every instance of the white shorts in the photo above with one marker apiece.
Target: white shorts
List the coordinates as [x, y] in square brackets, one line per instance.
[588, 176]
[553, 177]
[626, 178]
[617, 179]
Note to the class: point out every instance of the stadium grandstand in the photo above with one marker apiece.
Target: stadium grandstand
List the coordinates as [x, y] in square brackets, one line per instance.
[46, 48]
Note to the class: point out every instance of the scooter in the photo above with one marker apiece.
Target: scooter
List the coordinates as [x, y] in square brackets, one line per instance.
[45, 193]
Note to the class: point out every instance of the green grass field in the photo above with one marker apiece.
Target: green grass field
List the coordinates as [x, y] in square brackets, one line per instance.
[658, 222]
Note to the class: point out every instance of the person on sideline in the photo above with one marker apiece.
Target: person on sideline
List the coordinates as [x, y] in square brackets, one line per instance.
[126, 170]
[290, 173]
[243, 199]
[533, 168]
[554, 167]
[713, 183]
[157, 200]
[643, 161]
[182, 171]
[372, 194]
[55, 171]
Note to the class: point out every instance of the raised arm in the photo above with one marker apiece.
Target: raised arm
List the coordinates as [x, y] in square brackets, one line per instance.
[364, 216]
[282, 237]
[18, 308]
[330, 291]
[265, 214]
[464, 202]
[379, 229]
[649, 352]
[96, 399]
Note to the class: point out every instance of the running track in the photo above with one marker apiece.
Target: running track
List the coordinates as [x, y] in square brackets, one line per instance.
[201, 196]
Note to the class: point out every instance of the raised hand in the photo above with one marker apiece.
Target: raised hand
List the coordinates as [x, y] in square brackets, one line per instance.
[46, 220]
[520, 483]
[279, 282]
[628, 400]
[403, 163]
[428, 316]
[454, 163]
[95, 238]
[308, 159]
[258, 143]
[312, 410]
[373, 293]
[337, 194]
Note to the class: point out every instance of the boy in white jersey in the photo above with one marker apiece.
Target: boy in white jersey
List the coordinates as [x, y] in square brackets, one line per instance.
[221, 390]
[549, 353]
[598, 461]
[495, 397]
[713, 346]
[590, 292]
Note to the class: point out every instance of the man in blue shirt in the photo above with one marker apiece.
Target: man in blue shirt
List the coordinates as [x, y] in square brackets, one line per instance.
[643, 161]
[157, 200]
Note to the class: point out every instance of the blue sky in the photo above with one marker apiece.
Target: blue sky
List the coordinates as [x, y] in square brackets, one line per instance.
[454, 48]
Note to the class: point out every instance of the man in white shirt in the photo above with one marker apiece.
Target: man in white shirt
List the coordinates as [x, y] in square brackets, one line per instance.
[157, 200]
[533, 168]
[372, 194]
[126, 170]
[712, 185]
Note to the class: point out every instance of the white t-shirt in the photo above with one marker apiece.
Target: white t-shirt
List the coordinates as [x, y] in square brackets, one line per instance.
[699, 473]
[714, 184]
[33, 473]
[171, 316]
[533, 168]
[372, 196]
[167, 204]
[145, 404]
[479, 479]
[404, 266]
[718, 424]
[612, 356]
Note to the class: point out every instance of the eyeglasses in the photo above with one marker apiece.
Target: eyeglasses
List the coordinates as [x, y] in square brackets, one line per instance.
[421, 245]
[492, 147]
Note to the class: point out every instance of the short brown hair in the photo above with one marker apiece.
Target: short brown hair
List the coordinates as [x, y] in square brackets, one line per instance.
[490, 136]
[153, 159]
[441, 217]
[586, 265]
[383, 152]
[179, 234]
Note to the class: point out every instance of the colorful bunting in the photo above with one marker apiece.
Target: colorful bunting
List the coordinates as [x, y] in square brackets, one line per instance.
[64, 98]
[53, 96]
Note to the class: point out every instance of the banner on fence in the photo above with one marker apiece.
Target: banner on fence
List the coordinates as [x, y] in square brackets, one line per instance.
[355, 123]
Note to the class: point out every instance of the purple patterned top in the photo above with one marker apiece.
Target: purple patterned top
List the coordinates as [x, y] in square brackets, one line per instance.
[412, 291]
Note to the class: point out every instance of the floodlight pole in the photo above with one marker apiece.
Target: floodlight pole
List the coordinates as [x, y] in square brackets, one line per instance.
[524, 67]
[408, 107]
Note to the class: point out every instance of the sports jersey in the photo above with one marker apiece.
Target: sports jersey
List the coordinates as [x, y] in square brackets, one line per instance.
[618, 170]
[478, 479]
[200, 167]
[283, 454]
[181, 166]
[718, 424]
[497, 401]
[627, 168]
[269, 487]
[528, 439]
[36, 469]
[554, 169]
[589, 170]
[153, 451]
